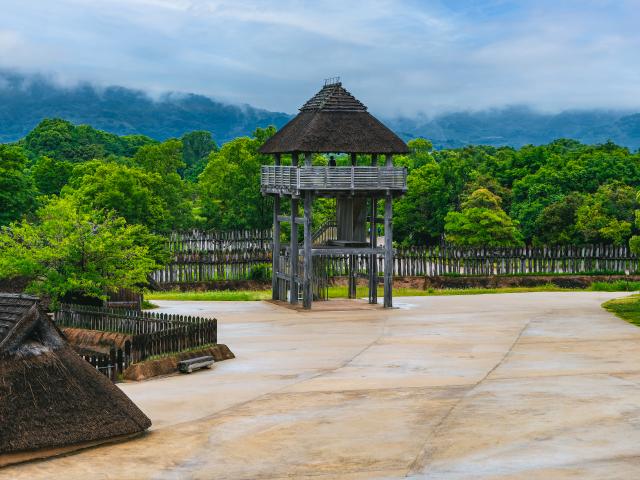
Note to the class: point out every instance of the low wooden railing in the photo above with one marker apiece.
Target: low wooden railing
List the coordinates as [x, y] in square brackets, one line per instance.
[325, 232]
[288, 179]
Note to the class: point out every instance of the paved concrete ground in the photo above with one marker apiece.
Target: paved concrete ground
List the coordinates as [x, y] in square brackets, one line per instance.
[539, 385]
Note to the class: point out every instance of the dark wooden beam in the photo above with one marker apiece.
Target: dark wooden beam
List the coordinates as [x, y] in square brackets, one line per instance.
[293, 247]
[307, 289]
[287, 277]
[307, 292]
[388, 251]
[353, 281]
[275, 254]
[373, 258]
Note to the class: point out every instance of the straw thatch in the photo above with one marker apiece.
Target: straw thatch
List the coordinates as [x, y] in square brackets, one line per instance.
[50, 397]
[334, 121]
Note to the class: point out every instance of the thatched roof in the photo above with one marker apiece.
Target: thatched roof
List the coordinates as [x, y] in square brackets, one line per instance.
[49, 396]
[334, 121]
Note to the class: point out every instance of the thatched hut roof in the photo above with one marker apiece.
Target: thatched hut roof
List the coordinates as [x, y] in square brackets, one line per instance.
[334, 121]
[50, 398]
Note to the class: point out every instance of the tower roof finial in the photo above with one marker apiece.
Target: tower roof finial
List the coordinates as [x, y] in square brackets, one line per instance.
[331, 81]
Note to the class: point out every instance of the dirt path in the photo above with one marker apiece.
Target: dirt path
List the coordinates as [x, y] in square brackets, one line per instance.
[539, 385]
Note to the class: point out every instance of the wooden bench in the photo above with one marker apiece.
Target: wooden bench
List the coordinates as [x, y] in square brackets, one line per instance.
[188, 366]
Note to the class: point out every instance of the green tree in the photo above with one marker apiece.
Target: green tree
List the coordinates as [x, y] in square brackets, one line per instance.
[634, 242]
[432, 191]
[608, 215]
[164, 158]
[196, 148]
[420, 154]
[51, 175]
[482, 223]
[61, 140]
[17, 191]
[139, 196]
[556, 224]
[229, 187]
[69, 249]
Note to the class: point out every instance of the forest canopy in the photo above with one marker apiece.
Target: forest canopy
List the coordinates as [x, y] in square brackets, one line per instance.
[561, 193]
[86, 210]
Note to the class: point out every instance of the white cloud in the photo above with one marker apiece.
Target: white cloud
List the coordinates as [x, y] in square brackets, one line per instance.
[403, 56]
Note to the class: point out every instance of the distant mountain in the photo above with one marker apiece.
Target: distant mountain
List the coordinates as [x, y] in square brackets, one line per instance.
[517, 126]
[26, 100]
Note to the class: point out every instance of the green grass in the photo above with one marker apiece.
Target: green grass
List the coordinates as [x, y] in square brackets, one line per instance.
[172, 354]
[627, 308]
[341, 292]
[211, 295]
[362, 291]
[147, 305]
[617, 286]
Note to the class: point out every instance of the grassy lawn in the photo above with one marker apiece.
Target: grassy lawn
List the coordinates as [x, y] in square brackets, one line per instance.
[362, 291]
[341, 292]
[627, 308]
[617, 286]
[211, 295]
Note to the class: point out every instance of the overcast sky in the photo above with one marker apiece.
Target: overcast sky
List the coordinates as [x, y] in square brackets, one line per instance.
[398, 57]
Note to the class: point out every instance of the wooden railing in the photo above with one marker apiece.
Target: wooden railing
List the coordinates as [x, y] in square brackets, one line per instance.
[148, 333]
[287, 179]
[325, 232]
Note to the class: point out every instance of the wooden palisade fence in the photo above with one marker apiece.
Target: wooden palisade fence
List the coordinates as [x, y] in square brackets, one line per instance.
[214, 241]
[417, 261]
[203, 266]
[148, 333]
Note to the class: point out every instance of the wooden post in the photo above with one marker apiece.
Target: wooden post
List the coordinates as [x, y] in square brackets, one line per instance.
[307, 293]
[275, 260]
[352, 277]
[373, 240]
[388, 243]
[293, 286]
[373, 260]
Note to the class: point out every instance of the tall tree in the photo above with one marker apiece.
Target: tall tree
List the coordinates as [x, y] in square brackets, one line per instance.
[164, 158]
[482, 223]
[17, 191]
[51, 175]
[196, 147]
[71, 249]
[556, 224]
[229, 187]
[144, 197]
[62, 140]
[608, 215]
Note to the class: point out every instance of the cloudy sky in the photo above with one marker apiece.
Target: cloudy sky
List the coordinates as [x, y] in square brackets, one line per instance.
[398, 57]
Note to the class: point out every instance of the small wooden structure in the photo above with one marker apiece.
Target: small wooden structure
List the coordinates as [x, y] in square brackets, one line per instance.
[332, 122]
[51, 400]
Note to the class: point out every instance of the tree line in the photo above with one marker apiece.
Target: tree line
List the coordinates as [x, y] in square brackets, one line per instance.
[85, 210]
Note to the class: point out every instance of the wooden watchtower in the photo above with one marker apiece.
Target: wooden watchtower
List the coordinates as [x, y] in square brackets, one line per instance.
[333, 122]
